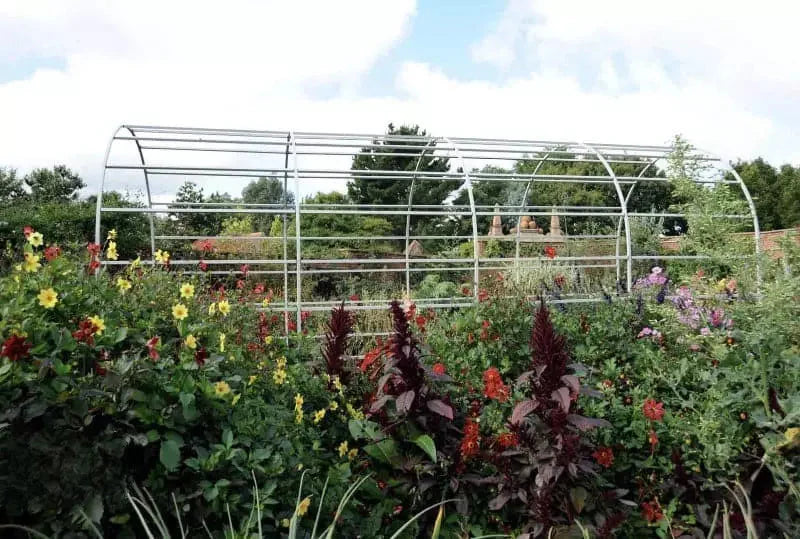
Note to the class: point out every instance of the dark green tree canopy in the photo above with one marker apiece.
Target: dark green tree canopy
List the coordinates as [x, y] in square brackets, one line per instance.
[775, 192]
[266, 191]
[53, 185]
[10, 186]
[383, 190]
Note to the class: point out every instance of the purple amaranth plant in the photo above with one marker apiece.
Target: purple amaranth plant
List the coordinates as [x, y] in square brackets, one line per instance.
[338, 331]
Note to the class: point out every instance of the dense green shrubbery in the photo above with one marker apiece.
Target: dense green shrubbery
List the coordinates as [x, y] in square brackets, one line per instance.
[634, 424]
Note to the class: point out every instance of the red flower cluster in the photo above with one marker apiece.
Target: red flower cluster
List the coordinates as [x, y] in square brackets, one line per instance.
[421, 321]
[52, 252]
[550, 251]
[470, 444]
[483, 295]
[372, 356]
[506, 440]
[245, 269]
[651, 511]
[85, 332]
[466, 291]
[355, 297]
[493, 386]
[438, 368]
[203, 265]
[94, 257]
[206, 246]
[653, 410]
[604, 456]
[16, 348]
[560, 280]
[151, 348]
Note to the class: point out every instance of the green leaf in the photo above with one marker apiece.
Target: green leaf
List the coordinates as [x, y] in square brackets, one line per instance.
[120, 335]
[94, 508]
[385, 450]
[170, 455]
[227, 438]
[578, 497]
[425, 442]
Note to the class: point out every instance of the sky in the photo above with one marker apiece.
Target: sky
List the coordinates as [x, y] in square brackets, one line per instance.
[722, 73]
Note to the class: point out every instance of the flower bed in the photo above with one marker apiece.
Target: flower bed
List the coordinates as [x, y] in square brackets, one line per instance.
[632, 418]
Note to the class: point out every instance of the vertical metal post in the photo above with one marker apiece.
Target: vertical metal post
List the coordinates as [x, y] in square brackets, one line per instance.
[298, 241]
[284, 230]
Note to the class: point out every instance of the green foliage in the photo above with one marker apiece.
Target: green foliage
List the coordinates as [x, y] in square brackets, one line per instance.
[57, 185]
[385, 190]
[775, 192]
[10, 186]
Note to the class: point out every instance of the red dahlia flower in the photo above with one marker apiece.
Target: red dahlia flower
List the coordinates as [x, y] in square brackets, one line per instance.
[483, 295]
[470, 444]
[438, 368]
[151, 348]
[493, 386]
[604, 456]
[651, 511]
[52, 252]
[93, 248]
[550, 251]
[507, 440]
[653, 410]
[16, 348]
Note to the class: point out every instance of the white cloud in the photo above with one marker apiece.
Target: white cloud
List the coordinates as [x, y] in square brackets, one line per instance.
[721, 74]
[237, 64]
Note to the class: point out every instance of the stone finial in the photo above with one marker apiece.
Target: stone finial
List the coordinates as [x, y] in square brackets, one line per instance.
[497, 224]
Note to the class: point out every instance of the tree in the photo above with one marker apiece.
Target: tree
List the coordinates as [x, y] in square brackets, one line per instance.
[11, 188]
[58, 184]
[775, 192]
[266, 191]
[380, 189]
[198, 224]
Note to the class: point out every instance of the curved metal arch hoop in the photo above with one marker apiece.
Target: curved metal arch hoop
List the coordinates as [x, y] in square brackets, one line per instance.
[531, 180]
[430, 144]
[623, 208]
[619, 221]
[726, 165]
[147, 187]
[471, 195]
[99, 206]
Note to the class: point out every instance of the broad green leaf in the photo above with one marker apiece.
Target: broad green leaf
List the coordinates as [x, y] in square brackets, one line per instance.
[426, 443]
[170, 455]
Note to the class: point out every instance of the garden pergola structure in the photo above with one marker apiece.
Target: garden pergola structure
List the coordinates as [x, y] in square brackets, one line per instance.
[159, 157]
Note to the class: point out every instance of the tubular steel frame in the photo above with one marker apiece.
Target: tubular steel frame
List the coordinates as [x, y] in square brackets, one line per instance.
[300, 151]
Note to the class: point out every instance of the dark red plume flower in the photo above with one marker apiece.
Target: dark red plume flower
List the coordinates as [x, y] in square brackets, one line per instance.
[339, 328]
[16, 348]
